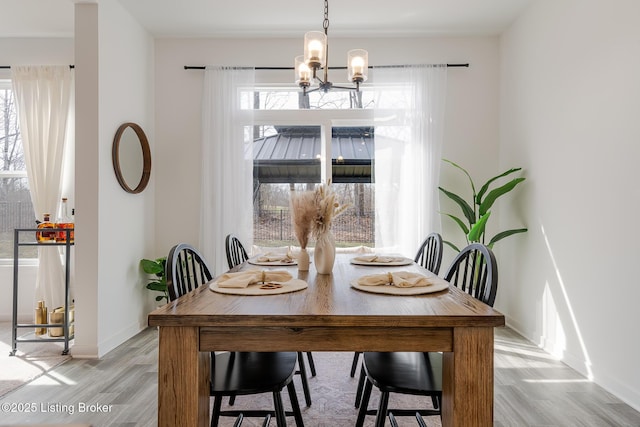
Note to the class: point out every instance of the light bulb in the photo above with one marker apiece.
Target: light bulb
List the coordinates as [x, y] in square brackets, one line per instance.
[304, 72]
[357, 65]
[315, 50]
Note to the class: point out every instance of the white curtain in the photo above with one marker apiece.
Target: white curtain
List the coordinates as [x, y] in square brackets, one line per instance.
[409, 120]
[43, 97]
[227, 161]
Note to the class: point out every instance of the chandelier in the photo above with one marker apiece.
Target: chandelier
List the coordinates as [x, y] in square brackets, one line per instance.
[316, 57]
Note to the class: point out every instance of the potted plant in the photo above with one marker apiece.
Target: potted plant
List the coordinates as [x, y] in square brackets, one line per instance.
[477, 212]
[158, 283]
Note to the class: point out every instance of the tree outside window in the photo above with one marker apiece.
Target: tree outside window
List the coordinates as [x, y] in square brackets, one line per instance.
[16, 209]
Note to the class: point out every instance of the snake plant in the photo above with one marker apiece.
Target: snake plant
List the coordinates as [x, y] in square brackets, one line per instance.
[477, 213]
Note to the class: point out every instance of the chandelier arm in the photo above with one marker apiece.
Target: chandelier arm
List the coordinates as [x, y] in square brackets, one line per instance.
[355, 88]
[316, 77]
[320, 81]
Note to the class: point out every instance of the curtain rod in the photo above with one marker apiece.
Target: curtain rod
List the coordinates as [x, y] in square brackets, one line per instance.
[6, 67]
[200, 67]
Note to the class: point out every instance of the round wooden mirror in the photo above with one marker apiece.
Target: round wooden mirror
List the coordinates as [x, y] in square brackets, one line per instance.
[131, 158]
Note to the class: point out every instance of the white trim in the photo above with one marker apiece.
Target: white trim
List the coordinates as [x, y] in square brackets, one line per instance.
[23, 262]
[13, 174]
[325, 153]
[311, 117]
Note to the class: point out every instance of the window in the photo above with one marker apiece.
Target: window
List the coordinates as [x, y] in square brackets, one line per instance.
[16, 210]
[290, 151]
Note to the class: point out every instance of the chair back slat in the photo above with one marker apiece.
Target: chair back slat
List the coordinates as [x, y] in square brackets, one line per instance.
[186, 270]
[429, 254]
[475, 271]
[236, 254]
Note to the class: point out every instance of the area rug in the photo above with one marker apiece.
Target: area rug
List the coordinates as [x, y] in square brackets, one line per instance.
[31, 360]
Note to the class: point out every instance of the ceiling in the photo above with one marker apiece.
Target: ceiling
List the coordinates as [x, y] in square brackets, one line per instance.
[275, 18]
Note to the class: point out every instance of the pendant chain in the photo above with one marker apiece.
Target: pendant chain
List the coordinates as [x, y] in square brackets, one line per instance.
[325, 23]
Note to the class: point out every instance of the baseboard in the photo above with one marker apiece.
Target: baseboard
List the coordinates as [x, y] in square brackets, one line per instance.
[81, 351]
[621, 391]
[84, 352]
[515, 325]
[118, 338]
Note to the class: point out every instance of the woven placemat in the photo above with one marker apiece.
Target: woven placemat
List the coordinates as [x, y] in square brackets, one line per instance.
[393, 261]
[292, 285]
[439, 285]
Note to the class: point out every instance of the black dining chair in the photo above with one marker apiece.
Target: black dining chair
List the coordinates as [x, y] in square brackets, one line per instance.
[474, 270]
[235, 373]
[429, 256]
[237, 254]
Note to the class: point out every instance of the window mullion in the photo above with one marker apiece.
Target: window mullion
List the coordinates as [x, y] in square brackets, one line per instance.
[325, 152]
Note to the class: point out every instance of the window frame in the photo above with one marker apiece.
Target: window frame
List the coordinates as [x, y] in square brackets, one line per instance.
[325, 119]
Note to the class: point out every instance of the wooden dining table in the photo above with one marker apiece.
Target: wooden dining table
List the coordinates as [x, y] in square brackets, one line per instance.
[329, 315]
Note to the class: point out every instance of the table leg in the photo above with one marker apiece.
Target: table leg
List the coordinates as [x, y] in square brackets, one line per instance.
[467, 395]
[183, 378]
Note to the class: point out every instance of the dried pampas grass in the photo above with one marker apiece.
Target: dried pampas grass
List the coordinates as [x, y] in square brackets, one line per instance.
[313, 212]
[326, 209]
[303, 211]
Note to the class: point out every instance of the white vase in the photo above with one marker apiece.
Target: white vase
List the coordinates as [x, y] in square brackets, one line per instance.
[324, 254]
[303, 260]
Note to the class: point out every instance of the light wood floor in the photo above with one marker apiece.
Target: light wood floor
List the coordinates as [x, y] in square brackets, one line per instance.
[531, 389]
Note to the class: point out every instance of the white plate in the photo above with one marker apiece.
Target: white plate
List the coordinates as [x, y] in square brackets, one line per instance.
[440, 285]
[404, 261]
[292, 285]
[255, 261]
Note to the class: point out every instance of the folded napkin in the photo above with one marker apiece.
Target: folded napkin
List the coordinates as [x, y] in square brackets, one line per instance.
[379, 258]
[274, 256]
[243, 279]
[401, 279]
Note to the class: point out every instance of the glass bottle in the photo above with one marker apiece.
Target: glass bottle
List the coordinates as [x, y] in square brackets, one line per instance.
[64, 222]
[46, 236]
[41, 318]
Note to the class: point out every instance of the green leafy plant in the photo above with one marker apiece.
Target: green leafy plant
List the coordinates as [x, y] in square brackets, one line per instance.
[159, 282]
[477, 213]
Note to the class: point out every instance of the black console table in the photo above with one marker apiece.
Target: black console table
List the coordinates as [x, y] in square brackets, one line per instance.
[67, 335]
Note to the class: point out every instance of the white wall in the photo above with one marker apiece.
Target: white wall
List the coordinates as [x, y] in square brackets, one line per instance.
[471, 135]
[28, 51]
[114, 228]
[570, 102]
